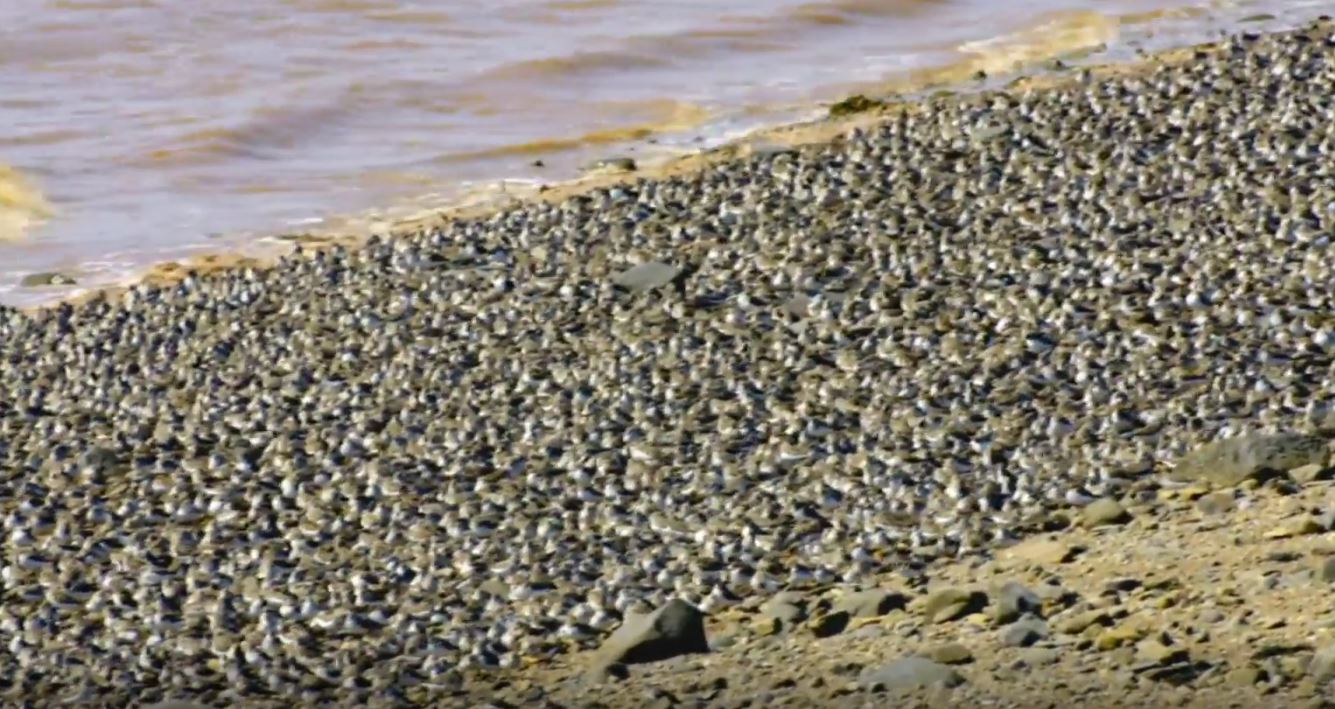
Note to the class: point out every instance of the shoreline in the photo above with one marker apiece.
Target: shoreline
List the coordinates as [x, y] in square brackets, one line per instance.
[886, 99]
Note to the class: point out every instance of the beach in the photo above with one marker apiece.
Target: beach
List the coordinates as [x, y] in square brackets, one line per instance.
[922, 403]
[138, 134]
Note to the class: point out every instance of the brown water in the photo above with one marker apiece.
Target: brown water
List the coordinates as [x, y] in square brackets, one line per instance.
[147, 130]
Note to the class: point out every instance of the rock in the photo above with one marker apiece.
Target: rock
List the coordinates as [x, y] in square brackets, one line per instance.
[828, 624]
[765, 626]
[910, 673]
[675, 629]
[1024, 632]
[1104, 511]
[870, 604]
[1230, 461]
[1321, 668]
[1293, 667]
[1307, 473]
[951, 654]
[46, 278]
[788, 608]
[613, 164]
[1247, 676]
[1079, 622]
[1039, 550]
[870, 631]
[1325, 570]
[1216, 503]
[1039, 657]
[1122, 656]
[951, 604]
[646, 276]
[1191, 492]
[1327, 520]
[1299, 527]
[856, 103]
[1014, 600]
[1119, 635]
[1157, 650]
[604, 672]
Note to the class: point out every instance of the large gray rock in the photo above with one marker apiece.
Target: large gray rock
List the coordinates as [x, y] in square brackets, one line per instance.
[646, 276]
[910, 673]
[1322, 666]
[1104, 511]
[788, 608]
[677, 628]
[1230, 461]
[1024, 632]
[1014, 600]
[871, 603]
[950, 604]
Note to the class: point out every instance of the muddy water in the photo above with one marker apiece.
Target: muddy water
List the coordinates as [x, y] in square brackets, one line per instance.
[138, 131]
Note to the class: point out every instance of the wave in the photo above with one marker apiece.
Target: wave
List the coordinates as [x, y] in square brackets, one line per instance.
[667, 117]
[1057, 35]
[22, 206]
[578, 64]
[259, 137]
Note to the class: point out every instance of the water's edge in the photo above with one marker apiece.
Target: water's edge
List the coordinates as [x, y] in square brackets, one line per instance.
[1003, 67]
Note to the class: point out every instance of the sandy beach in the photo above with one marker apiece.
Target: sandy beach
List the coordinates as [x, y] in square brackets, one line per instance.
[1014, 396]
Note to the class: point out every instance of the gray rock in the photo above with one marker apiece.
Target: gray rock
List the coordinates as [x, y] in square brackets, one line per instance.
[1014, 600]
[788, 608]
[1104, 511]
[1322, 666]
[1216, 503]
[1159, 650]
[870, 604]
[1078, 622]
[1043, 551]
[677, 628]
[1038, 657]
[910, 673]
[1327, 520]
[646, 276]
[1230, 461]
[1308, 473]
[952, 603]
[1024, 632]
[870, 631]
[1326, 570]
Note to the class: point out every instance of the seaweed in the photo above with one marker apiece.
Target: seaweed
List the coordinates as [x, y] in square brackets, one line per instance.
[856, 103]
